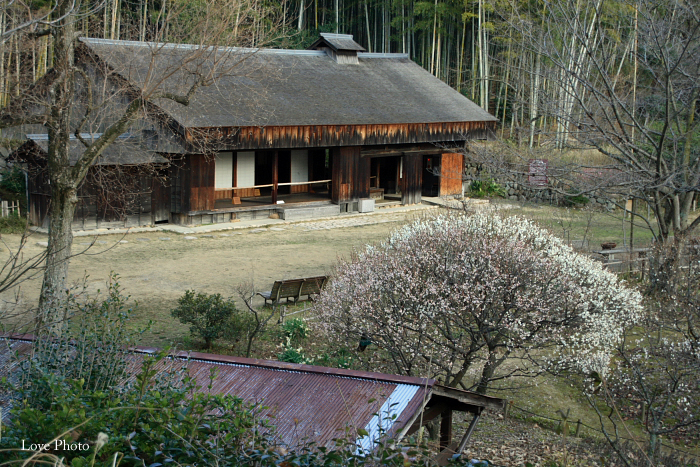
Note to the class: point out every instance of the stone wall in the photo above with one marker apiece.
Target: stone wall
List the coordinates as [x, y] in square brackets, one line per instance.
[520, 190]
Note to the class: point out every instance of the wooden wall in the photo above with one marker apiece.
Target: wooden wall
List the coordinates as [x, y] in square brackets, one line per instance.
[129, 196]
[192, 184]
[160, 200]
[350, 174]
[412, 181]
[451, 174]
[318, 136]
[201, 182]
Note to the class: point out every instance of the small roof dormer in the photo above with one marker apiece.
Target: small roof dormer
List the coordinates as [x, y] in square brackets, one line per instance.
[340, 47]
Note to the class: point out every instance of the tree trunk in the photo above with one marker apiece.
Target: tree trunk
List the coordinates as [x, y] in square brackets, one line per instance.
[63, 189]
[488, 371]
[53, 293]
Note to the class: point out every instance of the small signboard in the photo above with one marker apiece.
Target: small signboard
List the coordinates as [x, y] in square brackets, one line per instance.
[537, 175]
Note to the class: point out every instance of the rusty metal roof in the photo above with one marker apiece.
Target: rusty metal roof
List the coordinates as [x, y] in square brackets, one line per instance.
[311, 403]
[304, 402]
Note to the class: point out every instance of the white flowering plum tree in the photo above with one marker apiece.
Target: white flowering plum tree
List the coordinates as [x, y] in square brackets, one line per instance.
[452, 293]
[656, 380]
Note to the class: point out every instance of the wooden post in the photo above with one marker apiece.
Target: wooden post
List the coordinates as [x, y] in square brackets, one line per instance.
[445, 429]
[632, 255]
[275, 176]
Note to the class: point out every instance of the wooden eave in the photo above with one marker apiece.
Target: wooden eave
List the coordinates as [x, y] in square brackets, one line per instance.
[307, 136]
[471, 399]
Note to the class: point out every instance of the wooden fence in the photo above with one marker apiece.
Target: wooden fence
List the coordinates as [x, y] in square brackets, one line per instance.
[9, 207]
[623, 260]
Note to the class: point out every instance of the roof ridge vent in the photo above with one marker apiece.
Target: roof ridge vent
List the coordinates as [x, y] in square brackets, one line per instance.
[340, 47]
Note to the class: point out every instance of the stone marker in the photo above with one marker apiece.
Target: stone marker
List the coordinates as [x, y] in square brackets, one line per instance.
[44, 244]
[188, 237]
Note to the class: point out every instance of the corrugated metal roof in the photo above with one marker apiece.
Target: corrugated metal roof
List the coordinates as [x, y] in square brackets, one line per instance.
[304, 403]
[8, 364]
[383, 421]
[272, 88]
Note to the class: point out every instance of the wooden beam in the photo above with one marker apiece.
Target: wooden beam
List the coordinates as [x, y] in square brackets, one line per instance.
[429, 414]
[445, 429]
[399, 152]
[275, 176]
[470, 398]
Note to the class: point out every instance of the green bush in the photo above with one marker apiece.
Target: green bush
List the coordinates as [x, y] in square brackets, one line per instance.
[486, 189]
[576, 200]
[156, 421]
[208, 315]
[296, 330]
[93, 347]
[291, 355]
[13, 224]
[12, 185]
[341, 358]
[239, 328]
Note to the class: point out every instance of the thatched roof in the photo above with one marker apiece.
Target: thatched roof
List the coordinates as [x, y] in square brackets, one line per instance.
[287, 87]
[124, 151]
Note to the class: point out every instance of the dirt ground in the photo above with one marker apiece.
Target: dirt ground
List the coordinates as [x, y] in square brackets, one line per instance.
[156, 272]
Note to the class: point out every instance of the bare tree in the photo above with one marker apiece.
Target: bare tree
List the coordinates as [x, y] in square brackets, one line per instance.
[73, 99]
[624, 81]
[32, 21]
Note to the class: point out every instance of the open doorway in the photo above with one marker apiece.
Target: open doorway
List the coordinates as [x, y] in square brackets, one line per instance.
[431, 181]
[385, 177]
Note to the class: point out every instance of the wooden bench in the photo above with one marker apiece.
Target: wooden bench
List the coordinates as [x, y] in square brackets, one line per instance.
[294, 289]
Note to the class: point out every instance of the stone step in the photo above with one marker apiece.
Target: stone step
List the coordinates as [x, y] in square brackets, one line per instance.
[309, 212]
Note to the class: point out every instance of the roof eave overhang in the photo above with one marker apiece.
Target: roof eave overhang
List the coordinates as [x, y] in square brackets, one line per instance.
[309, 136]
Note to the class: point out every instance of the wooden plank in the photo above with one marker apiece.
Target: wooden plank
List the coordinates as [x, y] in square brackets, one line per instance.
[364, 167]
[470, 398]
[345, 171]
[160, 202]
[429, 414]
[275, 176]
[223, 194]
[201, 189]
[308, 136]
[451, 171]
[412, 180]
